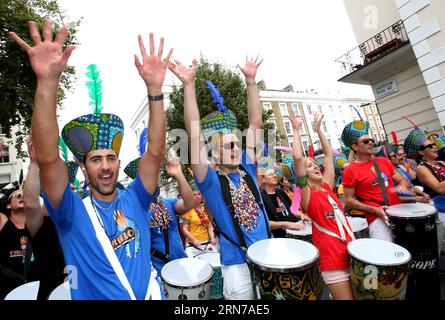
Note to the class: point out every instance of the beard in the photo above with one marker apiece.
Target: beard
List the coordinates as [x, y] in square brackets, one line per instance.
[103, 190]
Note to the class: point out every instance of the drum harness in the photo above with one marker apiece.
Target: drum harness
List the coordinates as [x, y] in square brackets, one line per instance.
[225, 189]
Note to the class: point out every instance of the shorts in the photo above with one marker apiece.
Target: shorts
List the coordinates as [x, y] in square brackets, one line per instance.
[237, 282]
[336, 276]
[380, 230]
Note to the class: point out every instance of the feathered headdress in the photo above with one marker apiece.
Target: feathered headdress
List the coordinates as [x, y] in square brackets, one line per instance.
[221, 121]
[414, 140]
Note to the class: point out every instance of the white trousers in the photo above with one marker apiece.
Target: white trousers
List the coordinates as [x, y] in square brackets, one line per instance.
[380, 230]
[237, 282]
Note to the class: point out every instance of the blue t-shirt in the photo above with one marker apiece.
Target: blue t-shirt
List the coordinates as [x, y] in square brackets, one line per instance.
[92, 275]
[176, 248]
[211, 190]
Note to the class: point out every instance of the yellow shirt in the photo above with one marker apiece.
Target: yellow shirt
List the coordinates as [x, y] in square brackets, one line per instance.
[196, 228]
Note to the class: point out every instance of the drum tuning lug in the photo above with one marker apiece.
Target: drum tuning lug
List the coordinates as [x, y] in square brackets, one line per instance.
[429, 227]
[409, 228]
[182, 297]
[202, 294]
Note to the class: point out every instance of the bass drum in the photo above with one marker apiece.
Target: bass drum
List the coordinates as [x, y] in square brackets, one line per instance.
[379, 269]
[285, 269]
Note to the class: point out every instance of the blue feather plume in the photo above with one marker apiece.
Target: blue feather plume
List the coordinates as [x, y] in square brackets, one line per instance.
[358, 112]
[219, 100]
[143, 141]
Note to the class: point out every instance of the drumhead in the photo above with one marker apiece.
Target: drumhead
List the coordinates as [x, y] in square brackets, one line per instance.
[378, 252]
[186, 272]
[357, 224]
[303, 232]
[411, 210]
[211, 257]
[282, 254]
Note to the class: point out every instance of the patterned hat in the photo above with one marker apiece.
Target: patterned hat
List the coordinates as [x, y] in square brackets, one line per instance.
[288, 168]
[339, 162]
[279, 173]
[440, 142]
[413, 142]
[5, 193]
[93, 132]
[354, 130]
[264, 164]
[221, 121]
[72, 168]
[132, 168]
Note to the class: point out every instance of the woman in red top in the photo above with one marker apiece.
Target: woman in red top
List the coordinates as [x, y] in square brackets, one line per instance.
[330, 229]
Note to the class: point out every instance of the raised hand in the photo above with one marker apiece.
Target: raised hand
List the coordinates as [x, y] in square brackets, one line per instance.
[46, 57]
[296, 122]
[186, 75]
[153, 68]
[250, 68]
[318, 120]
[173, 168]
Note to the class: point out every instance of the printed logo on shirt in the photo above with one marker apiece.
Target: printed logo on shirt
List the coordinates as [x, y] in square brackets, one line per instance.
[329, 215]
[129, 233]
[376, 181]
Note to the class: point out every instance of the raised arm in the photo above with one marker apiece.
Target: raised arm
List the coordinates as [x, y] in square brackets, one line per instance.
[191, 117]
[300, 166]
[48, 61]
[329, 170]
[255, 133]
[152, 70]
[33, 209]
[187, 200]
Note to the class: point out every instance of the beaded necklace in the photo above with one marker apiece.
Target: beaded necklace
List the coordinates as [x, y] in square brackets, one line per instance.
[202, 215]
[160, 214]
[245, 207]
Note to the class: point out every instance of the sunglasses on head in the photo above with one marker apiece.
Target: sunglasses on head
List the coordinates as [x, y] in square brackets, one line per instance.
[428, 146]
[231, 145]
[367, 141]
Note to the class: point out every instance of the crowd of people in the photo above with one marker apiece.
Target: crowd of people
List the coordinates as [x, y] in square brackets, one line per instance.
[119, 239]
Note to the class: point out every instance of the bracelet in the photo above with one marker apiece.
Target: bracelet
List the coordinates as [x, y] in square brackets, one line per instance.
[156, 98]
[301, 181]
[250, 83]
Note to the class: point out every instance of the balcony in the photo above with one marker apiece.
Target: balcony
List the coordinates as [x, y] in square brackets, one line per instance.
[386, 51]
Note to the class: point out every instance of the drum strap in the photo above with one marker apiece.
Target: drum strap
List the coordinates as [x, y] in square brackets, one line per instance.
[158, 254]
[381, 182]
[153, 288]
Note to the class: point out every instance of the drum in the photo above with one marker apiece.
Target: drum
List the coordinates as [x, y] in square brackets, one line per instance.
[379, 269]
[213, 258]
[187, 279]
[359, 226]
[414, 228]
[285, 269]
[303, 234]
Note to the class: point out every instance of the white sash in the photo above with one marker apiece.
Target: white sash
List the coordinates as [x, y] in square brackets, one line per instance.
[153, 289]
[341, 222]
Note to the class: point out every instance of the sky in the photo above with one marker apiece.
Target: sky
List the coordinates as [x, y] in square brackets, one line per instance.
[298, 39]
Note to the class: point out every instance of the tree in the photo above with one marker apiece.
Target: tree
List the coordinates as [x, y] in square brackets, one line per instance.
[17, 79]
[233, 90]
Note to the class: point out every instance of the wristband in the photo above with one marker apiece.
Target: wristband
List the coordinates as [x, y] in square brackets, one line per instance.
[301, 181]
[156, 98]
[251, 83]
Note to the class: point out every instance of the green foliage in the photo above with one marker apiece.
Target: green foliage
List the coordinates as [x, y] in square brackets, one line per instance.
[17, 79]
[232, 87]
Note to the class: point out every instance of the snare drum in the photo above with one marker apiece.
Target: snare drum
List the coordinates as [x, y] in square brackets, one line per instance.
[379, 269]
[213, 258]
[359, 226]
[304, 234]
[285, 269]
[187, 279]
[414, 228]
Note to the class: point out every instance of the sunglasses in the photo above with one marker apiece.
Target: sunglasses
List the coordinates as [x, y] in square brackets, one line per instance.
[17, 195]
[428, 146]
[402, 154]
[231, 145]
[367, 141]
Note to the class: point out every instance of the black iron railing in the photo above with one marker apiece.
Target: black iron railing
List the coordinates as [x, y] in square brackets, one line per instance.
[374, 48]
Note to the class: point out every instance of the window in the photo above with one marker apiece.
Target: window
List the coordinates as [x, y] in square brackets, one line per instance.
[376, 137]
[323, 124]
[267, 106]
[344, 123]
[302, 131]
[331, 109]
[319, 109]
[309, 110]
[288, 128]
[4, 151]
[305, 146]
[283, 109]
[291, 143]
[335, 125]
[296, 109]
[371, 121]
[351, 107]
[339, 109]
[314, 128]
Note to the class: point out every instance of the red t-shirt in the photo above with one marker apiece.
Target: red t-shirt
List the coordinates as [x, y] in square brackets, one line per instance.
[333, 253]
[363, 178]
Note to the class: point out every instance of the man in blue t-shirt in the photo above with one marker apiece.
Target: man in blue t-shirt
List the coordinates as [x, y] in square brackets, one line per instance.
[166, 243]
[226, 154]
[105, 238]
